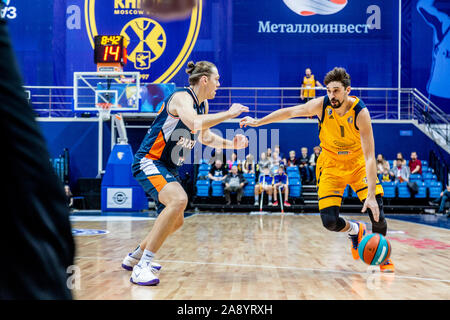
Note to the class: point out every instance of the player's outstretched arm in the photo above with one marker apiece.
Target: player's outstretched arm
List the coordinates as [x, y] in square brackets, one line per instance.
[208, 138]
[181, 106]
[309, 109]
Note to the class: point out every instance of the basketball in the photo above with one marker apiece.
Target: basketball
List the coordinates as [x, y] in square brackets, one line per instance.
[374, 249]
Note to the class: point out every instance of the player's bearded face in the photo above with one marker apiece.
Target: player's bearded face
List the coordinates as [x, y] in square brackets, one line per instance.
[337, 95]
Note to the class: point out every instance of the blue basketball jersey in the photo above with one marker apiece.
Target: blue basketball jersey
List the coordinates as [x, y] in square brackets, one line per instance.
[168, 139]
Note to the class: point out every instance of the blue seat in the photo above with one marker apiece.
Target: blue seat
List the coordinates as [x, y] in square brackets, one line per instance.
[422, 190]
[424, 163]
[293, 175]
[217, 188]
[249, 176]
[202, 188]
[415, 177]
[435, 189]
[204, 166]
[202, 173]
[295, 187]
[292, 169]
[389, 189]
[429, 176]
[249, 188]
[403, 191]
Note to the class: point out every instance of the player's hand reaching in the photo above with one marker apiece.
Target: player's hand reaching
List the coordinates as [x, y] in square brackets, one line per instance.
[240, 141]
[372, 204]
[248, 121]
[236, 109]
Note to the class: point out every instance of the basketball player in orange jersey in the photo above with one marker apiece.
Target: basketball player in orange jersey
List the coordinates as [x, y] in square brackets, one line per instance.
[348, 156]
[182, 120]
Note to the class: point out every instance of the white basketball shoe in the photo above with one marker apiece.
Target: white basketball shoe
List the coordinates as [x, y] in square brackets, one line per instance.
[129, 262]
[144, 275]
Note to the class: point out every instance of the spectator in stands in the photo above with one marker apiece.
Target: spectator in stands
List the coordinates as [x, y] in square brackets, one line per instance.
[444, 198]
[234, 182]
[304, 166]
[276, 161]
[69, 196]
[280, 154]
[249, 164]
[264, 163]
[386, 177]
[400, 172]
[281, 180]
[234, 162]
[382, 164]
[292, 161]
[217, 172]
[309, 83]
[312, 163]
[217, 154]
[399, 158]
[415, 165]
[269, 153]
[265, 184]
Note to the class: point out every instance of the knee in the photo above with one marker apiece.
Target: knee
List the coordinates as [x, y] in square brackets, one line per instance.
[330, 219]
[179, 201]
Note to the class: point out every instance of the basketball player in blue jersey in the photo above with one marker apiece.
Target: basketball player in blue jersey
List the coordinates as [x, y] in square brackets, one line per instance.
[347, 158]
[182, 120]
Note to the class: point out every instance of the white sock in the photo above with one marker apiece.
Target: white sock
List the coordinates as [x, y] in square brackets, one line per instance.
[354, 228]
[270, 198]
[137, 253]
[147, 257]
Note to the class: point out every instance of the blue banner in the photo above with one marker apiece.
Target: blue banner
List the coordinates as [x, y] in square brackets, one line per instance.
[257, 43]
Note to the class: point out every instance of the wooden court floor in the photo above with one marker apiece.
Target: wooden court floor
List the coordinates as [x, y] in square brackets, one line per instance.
[262, 257]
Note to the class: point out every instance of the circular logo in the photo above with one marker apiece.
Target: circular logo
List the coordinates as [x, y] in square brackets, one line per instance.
[88, 232]
[120, 197]
[312, 7]
[156, 49]
[145, 40]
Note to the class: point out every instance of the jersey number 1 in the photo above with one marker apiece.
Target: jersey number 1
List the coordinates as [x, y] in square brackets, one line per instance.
[342, 131]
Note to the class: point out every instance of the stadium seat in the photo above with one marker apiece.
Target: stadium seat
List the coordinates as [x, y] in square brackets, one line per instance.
[217, 189]
[389, 189]
[422, 190]
[415, 177]
[249, 188]
[429, 176]
[424, 163]
[295, 187]
[435, 189]
[202, 188]
[403, 191]
[292, 169]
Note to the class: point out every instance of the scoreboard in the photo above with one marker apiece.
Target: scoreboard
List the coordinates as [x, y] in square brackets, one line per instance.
[109, 53]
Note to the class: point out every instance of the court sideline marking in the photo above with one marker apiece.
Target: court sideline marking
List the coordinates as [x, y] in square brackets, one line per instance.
[278, 267]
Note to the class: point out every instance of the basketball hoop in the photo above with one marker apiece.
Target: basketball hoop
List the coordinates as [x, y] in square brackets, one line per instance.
[104, 110]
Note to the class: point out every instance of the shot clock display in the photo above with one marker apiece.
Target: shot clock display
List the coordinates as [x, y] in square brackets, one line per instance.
[109, 49]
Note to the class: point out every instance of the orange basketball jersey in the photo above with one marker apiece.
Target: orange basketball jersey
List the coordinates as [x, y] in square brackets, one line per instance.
[340, 135]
